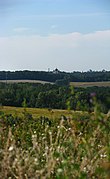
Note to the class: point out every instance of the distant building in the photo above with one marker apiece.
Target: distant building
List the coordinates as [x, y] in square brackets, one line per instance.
[56, 71]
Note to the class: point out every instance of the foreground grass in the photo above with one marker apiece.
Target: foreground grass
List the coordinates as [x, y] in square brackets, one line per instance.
[76, 146]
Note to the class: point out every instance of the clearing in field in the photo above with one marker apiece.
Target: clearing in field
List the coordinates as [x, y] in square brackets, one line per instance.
[25, 81]
[90, 84]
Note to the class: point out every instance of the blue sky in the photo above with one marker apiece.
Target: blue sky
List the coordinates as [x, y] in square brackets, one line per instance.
[67, 34]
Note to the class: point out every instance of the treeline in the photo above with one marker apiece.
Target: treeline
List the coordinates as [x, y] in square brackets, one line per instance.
[57, 77]
[54, 96]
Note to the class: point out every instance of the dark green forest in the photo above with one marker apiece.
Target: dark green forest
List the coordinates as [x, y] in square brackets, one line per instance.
[54, 96]
[56, 76]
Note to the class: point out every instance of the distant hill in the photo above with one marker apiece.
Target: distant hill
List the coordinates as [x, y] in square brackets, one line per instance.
[56, 76]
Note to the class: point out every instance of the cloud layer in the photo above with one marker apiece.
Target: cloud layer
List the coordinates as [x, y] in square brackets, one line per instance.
[68, 52]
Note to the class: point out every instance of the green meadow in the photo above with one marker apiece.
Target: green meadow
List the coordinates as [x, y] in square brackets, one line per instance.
[47, 143]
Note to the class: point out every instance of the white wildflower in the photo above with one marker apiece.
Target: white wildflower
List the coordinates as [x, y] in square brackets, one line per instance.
[34, 136]
[84, 169]
[64, 161]
[57, 159]
[50, 132]
[103, 155]
[11, 148]
[59, 170]
[26, 159]
[58, 147]
[35, 160]
[44, 154]
[99, 146]
[69, 129]
[46, 148]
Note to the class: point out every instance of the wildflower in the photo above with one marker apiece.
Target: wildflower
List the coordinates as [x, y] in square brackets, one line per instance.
[103, 155]
[58, 147]
[44, 154]
[50, 133]
[69, 129]
[84, 169]
[42, 160]
[59, 170]
[46, 148]
[35, 160]
[34, 136]
[57, 159]
[64, 161]
[11, 148]
[26, 159]
[99, 146]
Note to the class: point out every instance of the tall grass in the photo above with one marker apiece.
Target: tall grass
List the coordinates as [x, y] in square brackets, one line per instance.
[67, 147]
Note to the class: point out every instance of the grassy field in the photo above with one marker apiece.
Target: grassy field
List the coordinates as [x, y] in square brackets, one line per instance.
[24, 81]
[90, 84]
[37, 112]
[59, 145]
[75, 84]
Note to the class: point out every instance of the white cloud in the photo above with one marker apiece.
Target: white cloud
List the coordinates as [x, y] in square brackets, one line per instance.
[73, 51]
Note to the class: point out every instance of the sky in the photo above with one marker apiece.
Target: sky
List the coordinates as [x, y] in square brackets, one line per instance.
[71, 35]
